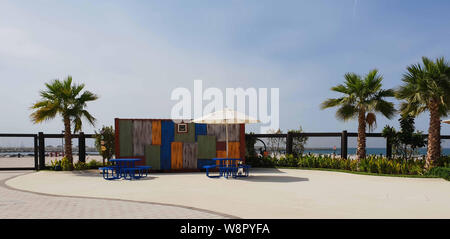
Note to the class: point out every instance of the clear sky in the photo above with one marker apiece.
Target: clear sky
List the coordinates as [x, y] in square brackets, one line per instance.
[134, 53]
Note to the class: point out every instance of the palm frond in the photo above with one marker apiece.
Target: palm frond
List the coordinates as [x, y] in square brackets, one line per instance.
[371, 121]
[331, 103]
[346, 112]
[424, 84]
[63, 97]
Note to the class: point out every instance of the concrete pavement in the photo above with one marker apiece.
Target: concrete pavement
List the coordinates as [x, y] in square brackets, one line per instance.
[267, 193]
[17, 204]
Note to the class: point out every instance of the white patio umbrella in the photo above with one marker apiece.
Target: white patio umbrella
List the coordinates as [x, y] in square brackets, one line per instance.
[226, 116]
[446, 121]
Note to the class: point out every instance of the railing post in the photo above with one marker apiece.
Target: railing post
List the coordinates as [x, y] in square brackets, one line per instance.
[36, 151]
[289, 141]
[344, 144]
[388, 148]
[82, 148]
[41, 151]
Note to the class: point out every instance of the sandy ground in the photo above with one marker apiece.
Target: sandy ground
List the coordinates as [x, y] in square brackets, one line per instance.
[267, 193]
[28, 162]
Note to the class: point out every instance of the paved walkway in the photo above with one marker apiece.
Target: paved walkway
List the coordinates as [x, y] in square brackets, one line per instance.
[267, 193]
[26, 205]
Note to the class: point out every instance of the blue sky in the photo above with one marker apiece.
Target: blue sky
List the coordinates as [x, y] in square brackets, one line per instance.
[134, 53]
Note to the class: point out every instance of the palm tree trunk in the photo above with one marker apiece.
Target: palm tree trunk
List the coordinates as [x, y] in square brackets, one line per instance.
[361, 151]
[434, 135]
[68, 141]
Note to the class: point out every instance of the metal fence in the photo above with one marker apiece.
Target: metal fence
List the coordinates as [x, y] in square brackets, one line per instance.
[39, 147]
[344, 135]
[39, 143]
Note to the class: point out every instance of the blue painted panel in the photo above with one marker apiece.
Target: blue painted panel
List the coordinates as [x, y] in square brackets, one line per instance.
[167, 137]
[200, 129]
[203, 162]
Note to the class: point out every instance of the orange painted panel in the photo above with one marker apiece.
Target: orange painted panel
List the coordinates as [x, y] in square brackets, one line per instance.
[220, 154]
[156, 132]
[177, 155]
[233, 151]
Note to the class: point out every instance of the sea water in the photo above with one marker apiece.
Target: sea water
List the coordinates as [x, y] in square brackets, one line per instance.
[369, 151]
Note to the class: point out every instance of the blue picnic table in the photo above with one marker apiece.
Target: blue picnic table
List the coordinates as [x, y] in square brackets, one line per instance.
[124, 168]
[228, 167]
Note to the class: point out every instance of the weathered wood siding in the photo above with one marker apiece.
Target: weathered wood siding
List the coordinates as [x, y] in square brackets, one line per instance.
[157, 144]
[167, 137]
[188, 137]
[242, 141]
[218, 130]
[177, 155]
[220, 154]
[153, 156]
[190, 152]
[156, 132]
[221, 145]
[200, 129]
[126, 138]
[142, 136]
[234, 150]
[141, 161]
[206, 146]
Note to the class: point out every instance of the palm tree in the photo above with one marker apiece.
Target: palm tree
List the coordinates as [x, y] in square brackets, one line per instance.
[361, 99]
[63, 98]
[427, 88]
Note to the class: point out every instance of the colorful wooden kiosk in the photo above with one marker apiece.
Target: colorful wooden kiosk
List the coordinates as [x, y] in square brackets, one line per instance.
[169, 146]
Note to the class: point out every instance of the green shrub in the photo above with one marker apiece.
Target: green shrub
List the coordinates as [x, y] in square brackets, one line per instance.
[370, 164]
[441, 172]
[65, 164]
[55, 165]
[416, 170]
[94, 164]
[354, 165]
[287, 161]
[262, 162]
[443, 161]
[363, 165]
[80, 166]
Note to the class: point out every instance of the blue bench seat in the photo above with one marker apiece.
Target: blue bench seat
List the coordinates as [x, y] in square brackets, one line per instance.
[109, 173]
[142, 170]
[207, 167]
[246, 169]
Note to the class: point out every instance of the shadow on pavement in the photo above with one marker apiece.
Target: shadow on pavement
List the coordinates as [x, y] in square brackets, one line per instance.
[99, 175]
[266, 170]
[274, 179]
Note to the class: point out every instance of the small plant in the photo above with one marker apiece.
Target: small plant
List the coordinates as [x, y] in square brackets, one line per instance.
[298, 142]
[443, 161]
[406, 142]
[65, 164]
[441, 172]
[56, 165]
[80, 166]
[93, 164]
[104, 142]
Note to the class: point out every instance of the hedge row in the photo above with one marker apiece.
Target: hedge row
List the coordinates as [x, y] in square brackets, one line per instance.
[371, 164]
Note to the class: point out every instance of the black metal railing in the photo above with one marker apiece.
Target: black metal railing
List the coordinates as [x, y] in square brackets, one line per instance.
[39, 147]
[344, 135]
